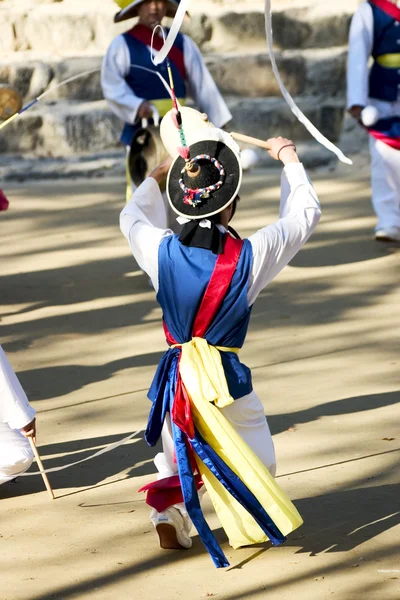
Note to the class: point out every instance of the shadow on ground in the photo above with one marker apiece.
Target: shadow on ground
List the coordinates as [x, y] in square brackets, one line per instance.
[334, 523]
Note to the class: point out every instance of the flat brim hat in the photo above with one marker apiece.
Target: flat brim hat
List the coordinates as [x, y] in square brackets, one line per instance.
[214, 186]
[129, 9]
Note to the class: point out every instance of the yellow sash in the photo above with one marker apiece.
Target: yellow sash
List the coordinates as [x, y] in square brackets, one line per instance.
[390, 61]
[165, 105]
[205, 382]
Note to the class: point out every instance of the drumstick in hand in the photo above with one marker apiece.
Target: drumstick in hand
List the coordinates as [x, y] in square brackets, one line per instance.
[240, 137]
[40, 465]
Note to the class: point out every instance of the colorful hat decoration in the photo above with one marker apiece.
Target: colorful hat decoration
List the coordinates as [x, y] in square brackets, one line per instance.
[206, 174]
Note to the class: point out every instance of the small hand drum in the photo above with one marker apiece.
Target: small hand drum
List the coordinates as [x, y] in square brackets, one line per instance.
[146, 153]
[10, 102]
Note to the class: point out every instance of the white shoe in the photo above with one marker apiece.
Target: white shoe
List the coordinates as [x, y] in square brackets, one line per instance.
[390, 234]
[172, 528]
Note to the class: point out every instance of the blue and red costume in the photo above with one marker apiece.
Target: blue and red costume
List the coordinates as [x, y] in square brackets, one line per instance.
[203, 296]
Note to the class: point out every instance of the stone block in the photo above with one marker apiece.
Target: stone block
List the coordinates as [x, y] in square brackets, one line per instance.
[7, 38]
[62, 129]
[251, 75]
[22, 135]
[49, 32]
[325, 72]
[271, 117]
[95, 130]
[301, 28]
[296, 28]
[30, 79]
[87, 88]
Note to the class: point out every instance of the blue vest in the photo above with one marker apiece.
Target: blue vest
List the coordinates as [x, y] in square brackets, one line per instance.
[147, 85]
[183, 277]
[384, 83]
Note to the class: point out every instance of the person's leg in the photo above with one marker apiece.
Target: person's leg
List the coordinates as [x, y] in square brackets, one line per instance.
[385, 183]
[247, 416]
[172, 524]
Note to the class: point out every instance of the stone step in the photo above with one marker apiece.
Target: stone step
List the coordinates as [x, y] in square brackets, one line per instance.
[66, 128]
[304, 73]
[66, 28]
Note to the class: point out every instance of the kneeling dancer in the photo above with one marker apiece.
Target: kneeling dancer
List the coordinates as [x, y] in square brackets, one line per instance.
[207, 279]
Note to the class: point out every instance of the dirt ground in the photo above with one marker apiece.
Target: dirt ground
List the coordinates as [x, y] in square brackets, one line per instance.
[82, 329]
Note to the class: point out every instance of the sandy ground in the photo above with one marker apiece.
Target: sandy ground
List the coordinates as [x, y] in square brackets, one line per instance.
[82, 328]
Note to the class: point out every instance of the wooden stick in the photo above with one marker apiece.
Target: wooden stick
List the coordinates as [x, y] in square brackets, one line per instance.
[240, 137]
[40, 465]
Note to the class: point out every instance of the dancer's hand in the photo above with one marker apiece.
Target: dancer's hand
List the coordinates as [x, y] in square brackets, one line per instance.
[355, 111]
[160, 173]
[145, 110]
[30, 429]
[283, 149]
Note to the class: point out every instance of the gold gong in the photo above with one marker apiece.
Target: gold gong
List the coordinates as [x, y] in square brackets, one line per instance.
[147, 152]
[10, 102]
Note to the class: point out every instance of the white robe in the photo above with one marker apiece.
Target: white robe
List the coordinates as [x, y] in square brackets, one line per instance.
[385, 161]
[273, 247]
[125, 104]
[15, 412]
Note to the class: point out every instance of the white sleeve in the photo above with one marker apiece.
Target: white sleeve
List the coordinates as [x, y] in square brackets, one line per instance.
[360, 49]
[15, 409]
[120, 97]
[276, 245]
[202, 86]
[141, 222]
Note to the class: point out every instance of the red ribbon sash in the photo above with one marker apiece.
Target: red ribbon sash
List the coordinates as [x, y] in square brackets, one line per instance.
[392, 142]
[388, 8]
[144, 34]
[214, 295]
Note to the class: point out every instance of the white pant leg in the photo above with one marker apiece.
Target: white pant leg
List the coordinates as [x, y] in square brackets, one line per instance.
[385, 182]
[167, 467]
[16, 455]
[247, 417]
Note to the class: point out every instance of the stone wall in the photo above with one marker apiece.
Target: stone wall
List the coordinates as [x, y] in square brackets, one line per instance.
[44, 42]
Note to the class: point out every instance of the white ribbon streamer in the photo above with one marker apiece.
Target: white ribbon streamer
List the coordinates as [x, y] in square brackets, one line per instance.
[173, 32]
[98, 453]
[293, 106]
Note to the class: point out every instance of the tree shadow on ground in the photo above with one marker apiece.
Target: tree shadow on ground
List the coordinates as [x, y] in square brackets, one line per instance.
[51, 382]
[136, 456]
[335, 522]
[281, 422]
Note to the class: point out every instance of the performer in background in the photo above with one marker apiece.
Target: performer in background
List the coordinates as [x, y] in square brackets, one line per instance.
[373, 97]
[17, 421]
[211, 421]
[135, 94]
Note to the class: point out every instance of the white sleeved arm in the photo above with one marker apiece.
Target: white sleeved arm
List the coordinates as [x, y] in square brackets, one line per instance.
[141, 222]
[274, 246]
[360, 49]
[202, 86]
[15, 409]
[120, 97]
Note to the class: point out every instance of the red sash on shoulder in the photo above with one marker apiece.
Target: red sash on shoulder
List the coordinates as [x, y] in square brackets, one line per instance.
[144, 35]
[388, 8]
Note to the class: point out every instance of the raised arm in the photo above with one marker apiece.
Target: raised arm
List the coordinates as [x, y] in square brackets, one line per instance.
[202, 86]
[142, 220]
[360, 49]
[274, 246]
